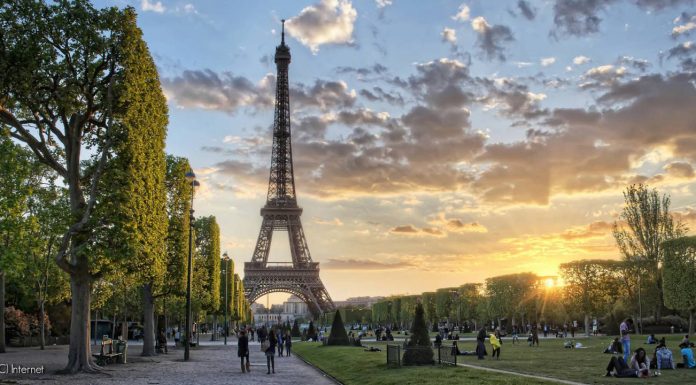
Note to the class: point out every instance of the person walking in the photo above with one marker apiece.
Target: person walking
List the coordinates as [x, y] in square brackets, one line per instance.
[280, 342]
[495, 344]
[288, 343]
[270, 345]
[243, 351]
[624, 330]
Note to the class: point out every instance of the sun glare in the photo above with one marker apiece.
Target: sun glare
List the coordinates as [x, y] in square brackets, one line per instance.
[550, 283]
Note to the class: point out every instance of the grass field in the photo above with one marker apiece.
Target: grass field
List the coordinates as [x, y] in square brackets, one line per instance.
[354, 366]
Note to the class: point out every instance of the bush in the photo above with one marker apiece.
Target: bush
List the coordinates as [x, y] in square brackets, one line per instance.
[338, 334]
[17, 324]
[311, 332]
[419, 350]
[295, 331]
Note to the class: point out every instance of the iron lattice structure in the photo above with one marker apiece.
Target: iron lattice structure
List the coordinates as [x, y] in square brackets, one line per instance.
[281, 213]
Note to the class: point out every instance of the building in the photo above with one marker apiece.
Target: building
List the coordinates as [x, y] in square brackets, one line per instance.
[292, 309]
[358, 302]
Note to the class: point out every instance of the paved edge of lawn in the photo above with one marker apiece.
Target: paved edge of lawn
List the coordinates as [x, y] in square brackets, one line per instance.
[551, 379]
[318, 369]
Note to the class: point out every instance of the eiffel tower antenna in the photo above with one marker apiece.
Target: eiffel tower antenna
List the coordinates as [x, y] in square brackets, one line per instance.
[281, 213]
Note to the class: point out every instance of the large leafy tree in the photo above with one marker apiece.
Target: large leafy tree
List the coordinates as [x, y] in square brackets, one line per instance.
[15, 171]
[645, 223]
[207, 266]
[63, 90]
[135, 182]
[590, 286]
[679, 274]
[508, 294]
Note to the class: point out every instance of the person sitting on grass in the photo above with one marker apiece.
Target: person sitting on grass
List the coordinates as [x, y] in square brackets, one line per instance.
[651, 340]
[639, 361]
[618, 368]
[662, 359]
[614, 347]
[685, 340]
[688, 356]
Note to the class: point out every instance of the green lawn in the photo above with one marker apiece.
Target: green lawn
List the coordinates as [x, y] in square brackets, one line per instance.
[354, 366]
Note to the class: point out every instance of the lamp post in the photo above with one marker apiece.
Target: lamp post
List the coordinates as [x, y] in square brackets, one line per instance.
[225, 258]
[190, 177]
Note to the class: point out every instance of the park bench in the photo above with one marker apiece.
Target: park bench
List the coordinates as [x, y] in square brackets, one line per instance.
[105, 357]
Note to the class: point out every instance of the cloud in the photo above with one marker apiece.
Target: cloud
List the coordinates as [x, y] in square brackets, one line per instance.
[332, 222]
[680, 170]
[641, 65]
[379, 94]
[597, 229]
[383, 3]
[581, 17]
[580, 60]
[156, 7]
[456, 225]
[208, 90]
[547, 61]
[376, 69]
[408, 229]
[602, 76]
[364, 264]
[449, 35]
[490, 39]
[328, 22]
[689, 24]
[526, 9]
[462, 14]
[414, 231]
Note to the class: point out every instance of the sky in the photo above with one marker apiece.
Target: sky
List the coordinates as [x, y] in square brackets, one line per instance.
[435, 142]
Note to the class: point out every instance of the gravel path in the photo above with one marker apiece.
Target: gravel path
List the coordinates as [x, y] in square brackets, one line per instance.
[211, 364]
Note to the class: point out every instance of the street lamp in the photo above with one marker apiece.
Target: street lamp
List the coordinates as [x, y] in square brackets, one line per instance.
[191, 178]
[225, 258]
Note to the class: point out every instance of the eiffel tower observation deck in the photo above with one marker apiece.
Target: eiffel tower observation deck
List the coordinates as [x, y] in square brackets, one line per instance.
[281, 213]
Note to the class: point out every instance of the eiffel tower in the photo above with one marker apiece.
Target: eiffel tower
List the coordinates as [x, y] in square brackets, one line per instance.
[281, 213]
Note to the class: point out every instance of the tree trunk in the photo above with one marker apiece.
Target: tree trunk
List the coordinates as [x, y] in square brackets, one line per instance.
[149, 324]
[691, 321]
[80, 353]
[2, 311]
[42, 322]
[587, 324]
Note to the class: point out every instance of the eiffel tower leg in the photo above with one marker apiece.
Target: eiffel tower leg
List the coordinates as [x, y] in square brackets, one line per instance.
[263, 243]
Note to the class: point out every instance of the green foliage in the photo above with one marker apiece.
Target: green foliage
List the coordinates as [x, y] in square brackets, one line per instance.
[422, 351]
[679, 272]
[295, 332]
[444, 299]
[591, 286]
[381, 311]
[408, 309]
[207, 266]
[645, 225]
[338, 334]
[508, 293]
[136, 175]
[428, 301]
[15, 188]
[178, 191]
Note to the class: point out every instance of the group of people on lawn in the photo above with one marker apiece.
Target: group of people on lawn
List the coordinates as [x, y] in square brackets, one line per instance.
[639, 364]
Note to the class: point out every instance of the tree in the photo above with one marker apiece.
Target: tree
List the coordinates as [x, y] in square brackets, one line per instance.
[468, 300]
[295, 332]
[679, 275]
[136, 176]
[15, 169]
[338, 335]
[444, 298]
[419, 350]
[63, 69]
[428, 302]
[508, 294]
[208, 261]
[646, 224]
[589, 286]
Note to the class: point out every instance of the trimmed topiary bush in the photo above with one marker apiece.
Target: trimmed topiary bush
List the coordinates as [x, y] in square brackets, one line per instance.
[295, 331]
[338, 334]
[311, 332]
[419, 350]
